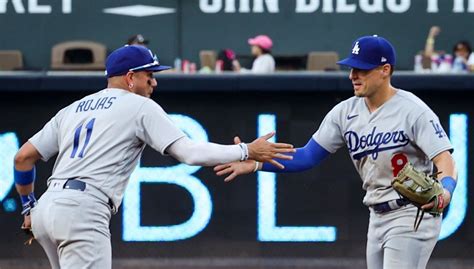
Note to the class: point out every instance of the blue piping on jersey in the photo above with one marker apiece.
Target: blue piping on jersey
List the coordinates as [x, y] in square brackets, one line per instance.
[375, 151]
[303, 159]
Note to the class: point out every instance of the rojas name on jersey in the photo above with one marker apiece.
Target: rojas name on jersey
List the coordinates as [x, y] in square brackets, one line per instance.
[95, 104]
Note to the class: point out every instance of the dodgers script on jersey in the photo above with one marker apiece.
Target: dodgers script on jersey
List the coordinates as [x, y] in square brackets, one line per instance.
[404, 129]
[83, 154]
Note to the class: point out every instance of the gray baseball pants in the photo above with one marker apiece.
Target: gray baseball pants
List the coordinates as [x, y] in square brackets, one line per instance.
[72, 226]
[392, 242]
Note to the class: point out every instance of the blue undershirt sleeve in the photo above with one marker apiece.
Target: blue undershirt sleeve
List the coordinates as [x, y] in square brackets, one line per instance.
[303, 159]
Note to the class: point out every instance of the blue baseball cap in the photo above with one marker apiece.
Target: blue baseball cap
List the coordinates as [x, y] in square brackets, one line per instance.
[369, 52]
[132, 58]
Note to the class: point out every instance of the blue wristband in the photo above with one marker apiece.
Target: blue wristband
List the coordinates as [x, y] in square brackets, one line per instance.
[27, 202]
[449, 184]
[24, 199]
[24, 177]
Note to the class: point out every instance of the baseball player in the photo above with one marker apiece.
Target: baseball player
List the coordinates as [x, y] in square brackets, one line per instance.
[99, 140]
[383, 128]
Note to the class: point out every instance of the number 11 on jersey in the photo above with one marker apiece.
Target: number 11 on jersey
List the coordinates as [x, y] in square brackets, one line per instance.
[77, 135]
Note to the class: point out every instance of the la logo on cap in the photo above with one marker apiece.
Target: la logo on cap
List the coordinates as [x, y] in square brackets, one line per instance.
[383, 60]
[356, 48]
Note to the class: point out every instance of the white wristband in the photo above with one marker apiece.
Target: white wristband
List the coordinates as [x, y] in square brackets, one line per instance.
[244, 151]
[256, 166]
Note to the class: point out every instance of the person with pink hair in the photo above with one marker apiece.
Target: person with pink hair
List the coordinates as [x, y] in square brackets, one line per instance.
[227, 60]
[261, 47]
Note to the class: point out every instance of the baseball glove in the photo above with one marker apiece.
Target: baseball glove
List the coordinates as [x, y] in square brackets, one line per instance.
[419, 189]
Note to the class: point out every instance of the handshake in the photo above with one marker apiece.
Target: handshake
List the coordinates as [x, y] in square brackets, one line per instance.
[259, 152]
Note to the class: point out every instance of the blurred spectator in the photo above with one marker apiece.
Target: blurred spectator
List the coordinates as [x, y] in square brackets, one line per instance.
[226, 60]
[261, 46]
[462, 53]
[137, 40]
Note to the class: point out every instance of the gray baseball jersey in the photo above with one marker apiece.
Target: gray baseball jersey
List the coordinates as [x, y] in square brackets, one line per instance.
[380, 143]
[99, 138]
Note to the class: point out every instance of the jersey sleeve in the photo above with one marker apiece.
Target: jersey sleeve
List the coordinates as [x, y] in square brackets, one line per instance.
[430, 136]
[46, 141]
[155, 128]
[329, 134]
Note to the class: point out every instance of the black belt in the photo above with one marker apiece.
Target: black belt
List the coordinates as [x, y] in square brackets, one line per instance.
[390, 205]
[74, 184]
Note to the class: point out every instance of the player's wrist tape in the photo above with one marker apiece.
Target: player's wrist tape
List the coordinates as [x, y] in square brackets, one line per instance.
[256, 166]
[24, 177]
[449, 184]
[244, 151]
[27, 202]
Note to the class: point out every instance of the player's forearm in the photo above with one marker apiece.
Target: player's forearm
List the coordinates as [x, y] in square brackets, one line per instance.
[26, 157]
[447, 168]
[25, 175]
[445, 165]
[303, 159]
[24, 189]
[204, 154]
[24, 180]
[24, 169]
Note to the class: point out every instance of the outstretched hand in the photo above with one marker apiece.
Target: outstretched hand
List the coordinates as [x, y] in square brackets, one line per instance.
[234, 169]
[259, 150]
[263, 151]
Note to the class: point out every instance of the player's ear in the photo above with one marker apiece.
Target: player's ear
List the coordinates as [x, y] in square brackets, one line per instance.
[387, 70]
[128, 78]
